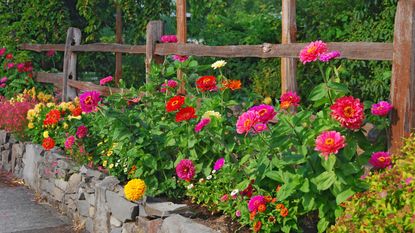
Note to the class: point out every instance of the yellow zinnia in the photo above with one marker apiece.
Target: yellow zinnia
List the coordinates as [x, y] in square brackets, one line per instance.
[46, 134]
[135, 189]
[30, 125]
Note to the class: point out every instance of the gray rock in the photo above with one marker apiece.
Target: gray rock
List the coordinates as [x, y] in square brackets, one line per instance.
[91, 211]
[110, 183]
[89, 225]
[115, 222]
[61, 184]
[83, 208]
[91, 173]
[130, 228]
[46, 185]
[121, 208]
[179, 224]
[4, 136]
[5, 157]
[17, 150]
[149, 225]
[116, 230]
[90, 197]
[73, 183]
[57, 194]
[31, 158]
[102, 211]
[62, 164]
[163, 209]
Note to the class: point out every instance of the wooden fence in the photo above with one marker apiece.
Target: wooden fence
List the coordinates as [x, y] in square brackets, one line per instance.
[401, 52]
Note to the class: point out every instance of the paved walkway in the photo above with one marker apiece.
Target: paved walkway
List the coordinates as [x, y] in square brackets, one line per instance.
[19, 213]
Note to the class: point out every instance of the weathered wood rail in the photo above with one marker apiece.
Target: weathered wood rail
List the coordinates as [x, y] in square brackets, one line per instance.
[401, 52]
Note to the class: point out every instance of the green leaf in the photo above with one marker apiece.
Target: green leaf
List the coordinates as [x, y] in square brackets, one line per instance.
[308, 202]
[274, 175]
[318, 92]
[338, 87]
[322, 225]
[329, 163]
[305, 188]
[324, 180]
[344, 195]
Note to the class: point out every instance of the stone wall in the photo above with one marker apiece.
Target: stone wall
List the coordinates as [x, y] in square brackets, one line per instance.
[88, 196]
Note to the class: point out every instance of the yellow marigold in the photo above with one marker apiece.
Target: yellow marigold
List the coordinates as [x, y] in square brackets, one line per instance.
[63, 106]
[38, 107]
[135, 189]
[46, 134]
[30, 125]
[31, 114]
[71, 106]
[111, 166]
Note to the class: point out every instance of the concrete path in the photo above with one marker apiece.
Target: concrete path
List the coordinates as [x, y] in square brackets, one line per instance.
[19, 213]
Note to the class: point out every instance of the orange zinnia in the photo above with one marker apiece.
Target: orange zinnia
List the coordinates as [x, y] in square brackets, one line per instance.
[284, 212]
[257, 226]
[232, 84]
[262, 208]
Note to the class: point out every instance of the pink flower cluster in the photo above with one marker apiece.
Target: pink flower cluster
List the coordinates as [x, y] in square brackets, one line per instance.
[180, 58]
[105, 80]
[255, 119]
[185, 170]
[82, 131]
[202, 123]
[381, 109]
[255, 202]
[89, 101]
[69, 142]
[317, 50]
[13, 115]
[219, 164]
[2, 51]
[329, 142]
[170, 84]
[3, 82]
[349, 111]
[168, 39]
[51, 53]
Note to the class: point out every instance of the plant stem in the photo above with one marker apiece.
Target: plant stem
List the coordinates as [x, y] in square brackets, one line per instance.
[326, 82]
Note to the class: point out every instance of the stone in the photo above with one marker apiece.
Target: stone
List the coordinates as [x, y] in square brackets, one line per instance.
[89, 225]
[5, 156]
[91, 211]
[46, 185]
[130, 228]
[17, 150]
[73, 182]
[163, 209]
[61, 184]
[57, 194]
[115, 222]
[121, 208]
[83, 208]
[31, 159]
[70, 204]
[102, 211]
[116, 230]
[62, 164]
[90, 197]
[3, 137]
[91, 173]
[148, 225]
[179, 224]
[110, 183]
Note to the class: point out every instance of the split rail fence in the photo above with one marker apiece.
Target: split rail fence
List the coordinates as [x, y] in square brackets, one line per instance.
[401, 52]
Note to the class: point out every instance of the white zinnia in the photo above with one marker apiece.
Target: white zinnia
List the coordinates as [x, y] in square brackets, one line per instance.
[218, 64]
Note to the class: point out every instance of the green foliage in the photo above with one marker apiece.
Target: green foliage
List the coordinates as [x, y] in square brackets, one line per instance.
[388, 205]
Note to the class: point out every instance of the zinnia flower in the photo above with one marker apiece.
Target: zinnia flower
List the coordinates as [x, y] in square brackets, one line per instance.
[257, 226]
[185, 170]
[185, 114]
[218, 64]
[48, 143]
[348, 111]
[255, 202]
[10, 65]
[238, 213]
[20, 67]
[380, 159]
[326, 57]
[180, 58]
[2, 51]
[52, 117]
[284, 212]
[265, 112]
[3, 85]
[3, 80]
[50, 53]
[289, 98]
[45, 134]
[170, 83]
[381, 109]
[69, 142]
[206, 83]
[225, 197]
[175, 103]
[312, 51]
[259, 127]
[168, 39]
[9, 56]
[209, 114]
[329, 142]
[134, 190]
[231, 84]
[105, 80]
[76, 111]
[82, 131]
[219, 164]
[89, 101]
[246, 121]
[199, 126]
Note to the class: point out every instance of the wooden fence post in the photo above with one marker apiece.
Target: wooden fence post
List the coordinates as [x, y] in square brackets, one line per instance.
[155, 29]
[181, 22]
[73, 37]
[118, 40]
[289, 31]
[403, 74]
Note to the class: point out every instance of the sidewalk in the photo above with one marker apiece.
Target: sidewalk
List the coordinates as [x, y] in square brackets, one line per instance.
[21, 214]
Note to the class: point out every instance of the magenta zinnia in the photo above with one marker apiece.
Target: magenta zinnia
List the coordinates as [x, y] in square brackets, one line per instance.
[89, 101]
[180, 58]
[219, 164]
[380, 159]
[246, 121]
[348, 111]
[312, 51]
[265, 112]
[185, 170]
[171, 84]
[105, 80]
[69, 142]
[326, 57]
[288, 99]
[381, 109]
[329, 142]
[259, 127]
[82, 131]
[199, 126]
[255, 202]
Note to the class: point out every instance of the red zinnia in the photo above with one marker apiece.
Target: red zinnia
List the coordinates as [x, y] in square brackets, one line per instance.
[52, 117]
[185, 114]
[77, 111]
[206, 83]
[174, 103]
[257, 226]
[48, 143]
[348, 111]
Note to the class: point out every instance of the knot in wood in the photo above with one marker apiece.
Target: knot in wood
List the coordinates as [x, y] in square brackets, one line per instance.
[266, 47]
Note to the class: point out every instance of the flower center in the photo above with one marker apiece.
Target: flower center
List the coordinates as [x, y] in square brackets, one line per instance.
[175, 102]
[348, 111]
[381, 159]
[312, 49]
[88, 100]
[329, 141]
[247, 123]
[185, 170]
[262, 112]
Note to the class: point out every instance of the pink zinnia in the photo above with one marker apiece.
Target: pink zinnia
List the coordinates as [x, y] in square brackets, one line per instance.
[381, 109]
[105, 80]
[219, 164]
[50, 53]
[326, 57]
[82, 131]
[348, 111]
[20, 67]
[246, 121]
[224, 198]
[312, 51]
[180, 58]
[170, 83]
[185, 170]
[238, 213]
[10, 65]
[69, 142]
[256, 201]
[199, 126]
[3, 80]
[265, 112]
[259, 127]
[289, 98]
[168, 39]
[89, 101]
[2, 51]
[329, 142]
[3, 85]
[380, 159]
